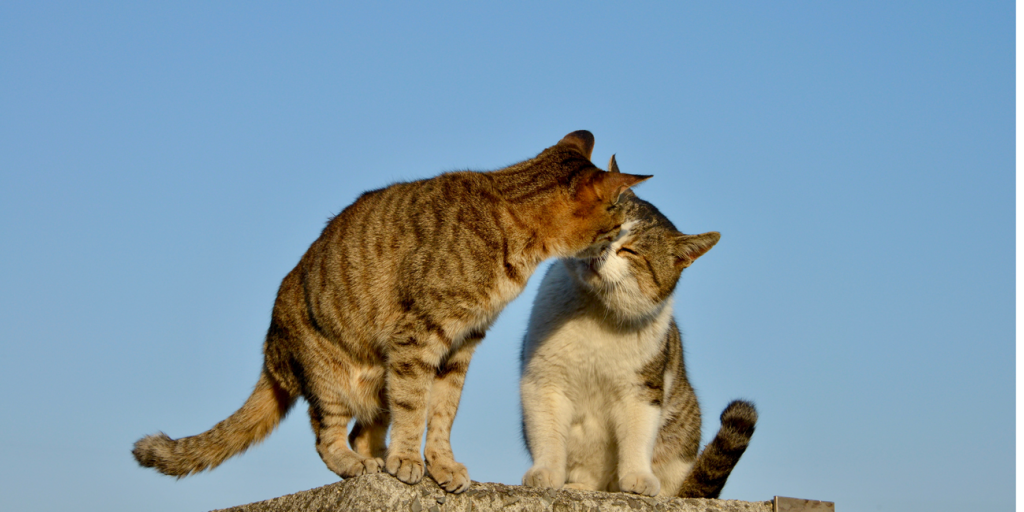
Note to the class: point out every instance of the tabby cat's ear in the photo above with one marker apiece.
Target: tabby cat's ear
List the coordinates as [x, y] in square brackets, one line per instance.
[581, 140]
[609, 186]
[612, 166]
[691, 247]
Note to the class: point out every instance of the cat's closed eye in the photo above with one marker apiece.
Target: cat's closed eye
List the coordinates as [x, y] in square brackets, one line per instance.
[626, 249]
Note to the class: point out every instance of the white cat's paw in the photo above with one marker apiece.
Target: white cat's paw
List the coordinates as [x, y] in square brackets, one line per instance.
[640, 482]
[541, 476]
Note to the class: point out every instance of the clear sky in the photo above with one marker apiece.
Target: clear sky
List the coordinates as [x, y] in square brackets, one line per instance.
[163, 165]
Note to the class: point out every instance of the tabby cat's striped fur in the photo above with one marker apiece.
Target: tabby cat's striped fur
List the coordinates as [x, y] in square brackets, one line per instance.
[606, 401]
[378, 321]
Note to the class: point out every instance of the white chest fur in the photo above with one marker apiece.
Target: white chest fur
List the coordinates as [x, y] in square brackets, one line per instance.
[573, 343]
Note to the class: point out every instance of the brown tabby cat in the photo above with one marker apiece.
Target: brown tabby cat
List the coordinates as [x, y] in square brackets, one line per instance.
[379, 319]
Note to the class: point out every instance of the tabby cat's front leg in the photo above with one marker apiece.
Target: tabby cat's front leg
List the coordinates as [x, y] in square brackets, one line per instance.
[412, 364]
[444, 403]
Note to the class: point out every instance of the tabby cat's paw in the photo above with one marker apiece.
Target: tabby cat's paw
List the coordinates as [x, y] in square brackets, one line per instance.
[450, 475]
[640, 482]
[406, 468]
[541, 476]
[350, 464]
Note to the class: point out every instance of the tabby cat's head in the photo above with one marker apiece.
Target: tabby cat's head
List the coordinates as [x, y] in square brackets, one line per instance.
[578, 207]
[638, 271]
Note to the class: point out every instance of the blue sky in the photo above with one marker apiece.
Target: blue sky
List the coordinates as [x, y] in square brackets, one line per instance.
[164, 165]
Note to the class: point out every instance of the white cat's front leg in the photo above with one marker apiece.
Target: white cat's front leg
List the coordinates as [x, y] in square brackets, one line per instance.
[636, 429]
[547, 413]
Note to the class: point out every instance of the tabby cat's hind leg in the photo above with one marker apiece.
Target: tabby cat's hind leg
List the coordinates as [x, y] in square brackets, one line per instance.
[370, 439]
[330, 424]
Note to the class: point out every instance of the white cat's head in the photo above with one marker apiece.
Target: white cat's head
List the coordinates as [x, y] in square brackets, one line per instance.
[609, 275]
[635, 275]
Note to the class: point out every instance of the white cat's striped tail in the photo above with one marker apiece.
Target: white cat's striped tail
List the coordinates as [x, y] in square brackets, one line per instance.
[715, 462]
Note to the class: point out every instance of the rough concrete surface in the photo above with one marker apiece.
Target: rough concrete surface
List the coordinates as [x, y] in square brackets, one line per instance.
[383, 492]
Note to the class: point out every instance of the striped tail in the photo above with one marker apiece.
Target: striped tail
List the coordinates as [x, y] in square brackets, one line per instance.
[713, 465]
[257, 418]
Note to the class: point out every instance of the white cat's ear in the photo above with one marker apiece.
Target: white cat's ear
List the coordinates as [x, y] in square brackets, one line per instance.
[581, 140]
[691, 247]
[609, 186]
[612, 166]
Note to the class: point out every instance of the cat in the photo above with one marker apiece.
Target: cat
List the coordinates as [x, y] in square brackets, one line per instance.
[605, 399]
[380, 317]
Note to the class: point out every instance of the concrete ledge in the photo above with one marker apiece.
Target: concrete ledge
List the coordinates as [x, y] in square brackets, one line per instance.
[383, 492]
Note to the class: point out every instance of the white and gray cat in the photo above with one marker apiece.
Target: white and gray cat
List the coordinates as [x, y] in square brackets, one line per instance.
[606, 402]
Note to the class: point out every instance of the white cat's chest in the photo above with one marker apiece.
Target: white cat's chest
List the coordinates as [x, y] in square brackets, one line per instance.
[588, 353]
[585, 353]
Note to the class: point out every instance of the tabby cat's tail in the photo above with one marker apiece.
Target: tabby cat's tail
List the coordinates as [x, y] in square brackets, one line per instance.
[714, 464]
[257, 418]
